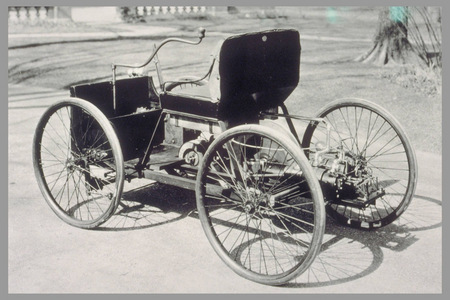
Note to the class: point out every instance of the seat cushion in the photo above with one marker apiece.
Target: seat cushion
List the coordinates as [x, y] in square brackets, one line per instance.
[198, 91]
[192, 104]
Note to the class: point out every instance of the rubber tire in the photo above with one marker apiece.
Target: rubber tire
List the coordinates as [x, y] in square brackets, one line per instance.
[319, 210]
[117, 153]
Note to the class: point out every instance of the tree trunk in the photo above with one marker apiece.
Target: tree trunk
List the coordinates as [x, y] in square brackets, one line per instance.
[391, 39]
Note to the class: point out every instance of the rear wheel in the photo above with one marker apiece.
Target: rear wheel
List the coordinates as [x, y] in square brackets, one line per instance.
[78, 163]
[379, 147]
[260, 204]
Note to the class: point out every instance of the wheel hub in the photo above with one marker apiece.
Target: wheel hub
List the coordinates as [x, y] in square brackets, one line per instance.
[257, 202]
[249, 208]
[71, 164]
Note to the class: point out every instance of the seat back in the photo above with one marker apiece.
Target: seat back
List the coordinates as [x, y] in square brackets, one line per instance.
[257, 71]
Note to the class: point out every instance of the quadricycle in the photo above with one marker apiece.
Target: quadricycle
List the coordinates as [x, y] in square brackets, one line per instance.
[263, 185]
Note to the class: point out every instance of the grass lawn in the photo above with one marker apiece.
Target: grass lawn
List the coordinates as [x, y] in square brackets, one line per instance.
[327, 68]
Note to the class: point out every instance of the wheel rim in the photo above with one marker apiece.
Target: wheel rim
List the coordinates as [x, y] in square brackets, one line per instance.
[78, 165]
[266, 225]
[378, 145]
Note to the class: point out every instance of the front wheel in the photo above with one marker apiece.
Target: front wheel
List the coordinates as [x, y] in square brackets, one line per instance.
[377, 148]
[260, 204]
[78, 163]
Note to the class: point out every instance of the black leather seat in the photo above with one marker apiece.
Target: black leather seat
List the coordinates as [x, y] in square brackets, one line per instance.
[256, 71]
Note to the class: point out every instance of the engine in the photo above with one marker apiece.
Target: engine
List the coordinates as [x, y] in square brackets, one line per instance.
[346, 179]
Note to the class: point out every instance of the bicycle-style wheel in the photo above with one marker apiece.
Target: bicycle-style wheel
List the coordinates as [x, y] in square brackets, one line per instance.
[260, 204]
[379, 147]
[78, 163]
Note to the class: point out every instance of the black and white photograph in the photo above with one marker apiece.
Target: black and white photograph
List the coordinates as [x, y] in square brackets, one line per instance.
[214, 149]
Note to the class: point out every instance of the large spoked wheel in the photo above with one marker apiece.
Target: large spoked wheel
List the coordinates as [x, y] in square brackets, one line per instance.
[379, 148]
[260, 204]
[78, 163]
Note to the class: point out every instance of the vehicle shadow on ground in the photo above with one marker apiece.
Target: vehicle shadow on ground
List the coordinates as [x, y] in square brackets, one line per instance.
[346, 253]
[151, 205]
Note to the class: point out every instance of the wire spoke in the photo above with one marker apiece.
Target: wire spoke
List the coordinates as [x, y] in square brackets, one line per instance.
[251, 224]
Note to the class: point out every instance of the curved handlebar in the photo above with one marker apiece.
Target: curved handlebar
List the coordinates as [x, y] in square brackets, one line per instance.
[201, 35]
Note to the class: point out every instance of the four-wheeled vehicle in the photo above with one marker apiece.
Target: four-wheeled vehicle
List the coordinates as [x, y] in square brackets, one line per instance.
[263, 184]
